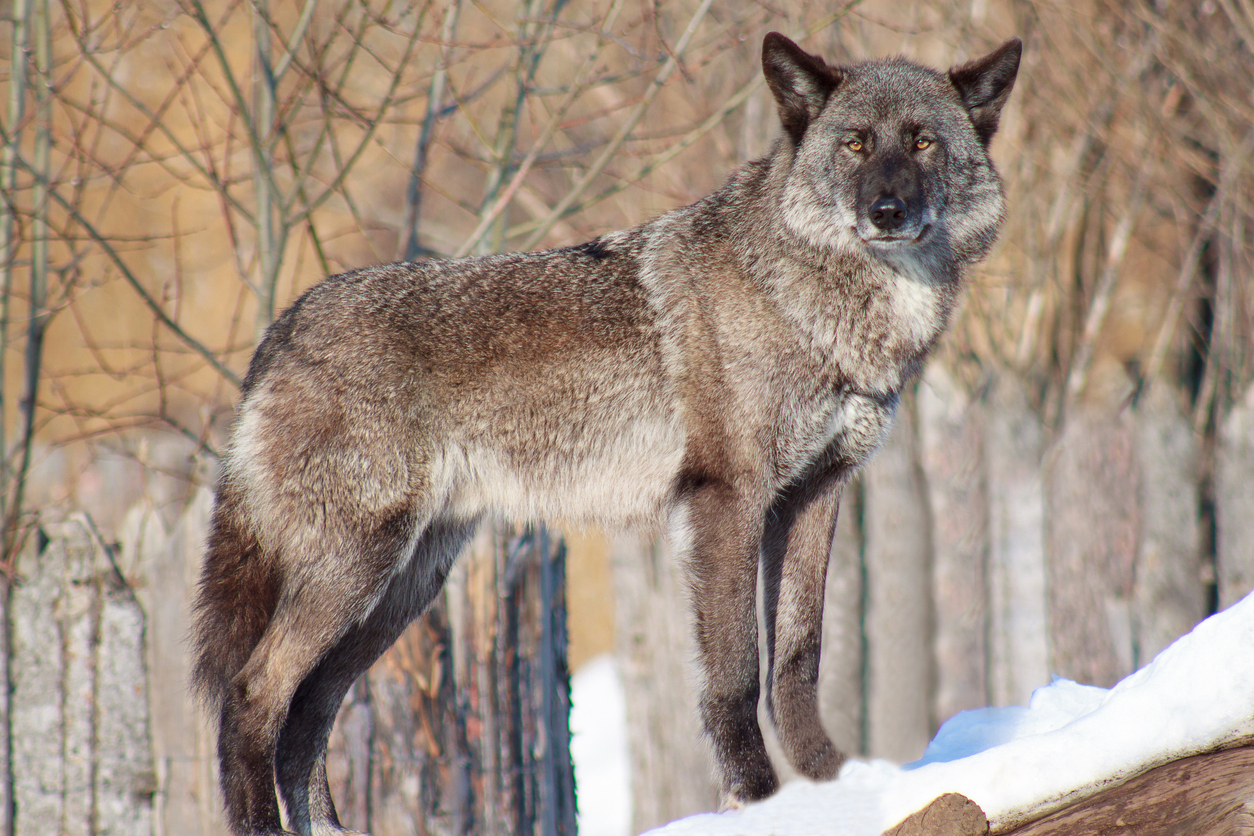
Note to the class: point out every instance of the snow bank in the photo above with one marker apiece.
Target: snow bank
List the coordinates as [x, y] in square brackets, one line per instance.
[1016, 761]
[598, 746]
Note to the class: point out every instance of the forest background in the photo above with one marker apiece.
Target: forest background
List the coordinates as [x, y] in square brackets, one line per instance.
[1069, 488]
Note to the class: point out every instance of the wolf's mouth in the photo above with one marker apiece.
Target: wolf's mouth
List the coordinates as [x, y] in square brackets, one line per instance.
[892, 242]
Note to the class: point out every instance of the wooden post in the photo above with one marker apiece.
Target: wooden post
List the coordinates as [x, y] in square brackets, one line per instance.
[900, 663]
[1092, 533]
[165, 567]
[951, 435]
[670, 762]
[842, 689]
[79, 702]
[466, 715]
[1234, 502]
[1018, 644]
[1169, 598]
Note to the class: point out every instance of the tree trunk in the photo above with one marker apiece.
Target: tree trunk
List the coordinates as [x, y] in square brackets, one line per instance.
[1093, 522]
[465, 717]
[899, 628]
[1018, 630]
[1170, 598]
[1234, 502]
[951, 433]
[671, 770]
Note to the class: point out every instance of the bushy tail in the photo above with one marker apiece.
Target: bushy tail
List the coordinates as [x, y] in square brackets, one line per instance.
[235, 601]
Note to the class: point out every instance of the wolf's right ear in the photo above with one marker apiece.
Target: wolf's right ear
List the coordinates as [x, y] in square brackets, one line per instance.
[800, 82]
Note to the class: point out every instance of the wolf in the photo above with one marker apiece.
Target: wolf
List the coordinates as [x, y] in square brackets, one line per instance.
[720, 372]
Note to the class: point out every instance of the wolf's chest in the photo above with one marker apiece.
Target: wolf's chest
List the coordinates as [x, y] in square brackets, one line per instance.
[845, 428]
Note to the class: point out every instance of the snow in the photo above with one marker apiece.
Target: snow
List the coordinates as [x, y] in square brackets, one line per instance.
[598, 746]
[1015, 761]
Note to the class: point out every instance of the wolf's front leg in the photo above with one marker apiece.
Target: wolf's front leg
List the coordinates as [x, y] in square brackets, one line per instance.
[795, 551]
[718, 535]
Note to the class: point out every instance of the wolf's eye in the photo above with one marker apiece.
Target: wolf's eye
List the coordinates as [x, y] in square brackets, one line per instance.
[923, 143]
[854, 145]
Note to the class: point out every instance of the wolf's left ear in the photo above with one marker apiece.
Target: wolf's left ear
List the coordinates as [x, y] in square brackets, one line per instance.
[800, 82]
[985, 83]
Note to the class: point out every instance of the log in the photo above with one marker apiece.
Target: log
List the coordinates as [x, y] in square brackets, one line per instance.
[1203, 795]
[1169, 598]
[1093, 520]
[951, 437]
[671, 769]
[950, 815]
[1013, 449]
[901, 665]
[1234, 502]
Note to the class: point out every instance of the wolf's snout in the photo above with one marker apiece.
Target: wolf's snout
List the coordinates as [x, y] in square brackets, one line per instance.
[888, 214]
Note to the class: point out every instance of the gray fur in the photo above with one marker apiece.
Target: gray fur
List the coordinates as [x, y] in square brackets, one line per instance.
[721, 371]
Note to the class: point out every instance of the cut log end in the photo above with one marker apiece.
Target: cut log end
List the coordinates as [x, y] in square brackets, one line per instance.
[950, 815]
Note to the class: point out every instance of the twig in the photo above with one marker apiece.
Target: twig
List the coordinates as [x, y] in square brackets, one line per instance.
[435, 99]
[38, 314]
[131, 279]
[619, 138]
[576, 89]
[1077, 377]
[8, 249]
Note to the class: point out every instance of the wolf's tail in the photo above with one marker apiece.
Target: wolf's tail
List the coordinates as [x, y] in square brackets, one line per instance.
[236, 598]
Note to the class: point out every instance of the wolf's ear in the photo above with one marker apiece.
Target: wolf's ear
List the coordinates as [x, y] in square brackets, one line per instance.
[801, 82]
[985, 83]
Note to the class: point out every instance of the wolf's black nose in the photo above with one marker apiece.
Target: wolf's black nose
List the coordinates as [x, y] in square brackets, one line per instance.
[888, 214]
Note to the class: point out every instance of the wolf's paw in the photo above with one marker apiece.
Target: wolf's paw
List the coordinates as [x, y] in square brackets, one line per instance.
[748, 789]
[821, 764]
[332, 830]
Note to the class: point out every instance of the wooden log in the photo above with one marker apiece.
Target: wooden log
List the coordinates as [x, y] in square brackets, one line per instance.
[6, 704]
[187, 798]
[1234, 502]
[671, 770]
[951, 438]
[411, 773]
[82, 761]
[1169, 597]
[900, 663]
[950, 815]
[1093, 520]
[1203, 795]
[467, 726]
[842, 695]
[1018, 626]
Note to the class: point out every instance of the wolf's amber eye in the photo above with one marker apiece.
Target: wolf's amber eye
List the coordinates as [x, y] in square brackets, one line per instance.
[854, 145]
[923, 143]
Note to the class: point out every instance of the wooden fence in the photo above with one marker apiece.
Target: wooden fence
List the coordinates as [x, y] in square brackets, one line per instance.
[978, 555]
[461, 729]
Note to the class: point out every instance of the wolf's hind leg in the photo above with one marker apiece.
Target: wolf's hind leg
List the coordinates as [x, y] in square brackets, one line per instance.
[301, 757]
[321, 597]
[796, 548]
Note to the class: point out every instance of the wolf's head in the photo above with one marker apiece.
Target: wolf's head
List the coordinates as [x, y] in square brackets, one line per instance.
[889, 157]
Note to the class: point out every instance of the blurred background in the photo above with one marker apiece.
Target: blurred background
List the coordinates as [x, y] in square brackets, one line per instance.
[1068, 488]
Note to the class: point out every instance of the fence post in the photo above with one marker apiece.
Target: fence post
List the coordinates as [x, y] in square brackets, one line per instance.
[81, 753]
[468, 712]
